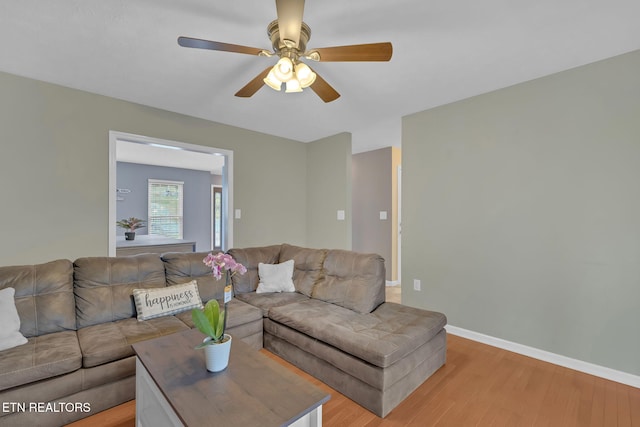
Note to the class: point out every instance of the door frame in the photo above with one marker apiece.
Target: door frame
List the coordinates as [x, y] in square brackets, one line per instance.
[213, 215]
[227, 180]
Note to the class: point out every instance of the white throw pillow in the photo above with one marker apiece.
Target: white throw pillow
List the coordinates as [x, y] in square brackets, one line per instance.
[10, 335]
[157, 302]
[276, 277]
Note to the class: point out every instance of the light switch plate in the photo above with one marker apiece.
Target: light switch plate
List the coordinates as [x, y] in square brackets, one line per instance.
[383, 215]
[238, 214]
[340, 215]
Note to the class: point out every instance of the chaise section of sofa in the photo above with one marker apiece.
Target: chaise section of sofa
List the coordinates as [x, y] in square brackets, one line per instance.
[338, 327]
[376, 359]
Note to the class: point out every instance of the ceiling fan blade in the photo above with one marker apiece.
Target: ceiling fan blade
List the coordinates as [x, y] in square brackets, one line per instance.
[356, 52]
[290, 19]
[324, 90]
[211, 45]
[254, 85]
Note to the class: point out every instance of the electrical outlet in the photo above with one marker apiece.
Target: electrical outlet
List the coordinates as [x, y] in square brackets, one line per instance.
[416, 284]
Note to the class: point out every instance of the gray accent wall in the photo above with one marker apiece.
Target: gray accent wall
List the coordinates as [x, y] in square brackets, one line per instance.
[196, 198]
[54, 166]
[372, 182]
[521, 213]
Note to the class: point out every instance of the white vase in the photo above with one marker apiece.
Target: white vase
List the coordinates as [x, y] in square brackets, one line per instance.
[217, 355]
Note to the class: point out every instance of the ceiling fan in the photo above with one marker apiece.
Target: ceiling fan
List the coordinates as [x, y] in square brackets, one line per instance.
[289, 37]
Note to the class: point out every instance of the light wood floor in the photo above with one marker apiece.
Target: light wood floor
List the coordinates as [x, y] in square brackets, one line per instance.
[479, 385]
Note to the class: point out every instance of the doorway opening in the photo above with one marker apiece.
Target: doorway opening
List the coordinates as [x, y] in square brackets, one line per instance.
[149, 152]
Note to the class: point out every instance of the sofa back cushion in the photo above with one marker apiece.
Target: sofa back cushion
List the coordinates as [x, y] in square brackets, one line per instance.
[43, 296]
[183, 267]
[307, 266]
[352, 280]
[104, 286]
[250, 258]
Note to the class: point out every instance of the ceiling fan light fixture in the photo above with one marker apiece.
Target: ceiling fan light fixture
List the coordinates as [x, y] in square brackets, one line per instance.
[305, 76]
[272, 81]
[283, 70]
[293, 85]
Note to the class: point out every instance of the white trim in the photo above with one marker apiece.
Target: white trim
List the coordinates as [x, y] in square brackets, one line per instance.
[227, 197]
[556, 359]
[399, 242]
[114, 136]
[111, 227]
[213, 215]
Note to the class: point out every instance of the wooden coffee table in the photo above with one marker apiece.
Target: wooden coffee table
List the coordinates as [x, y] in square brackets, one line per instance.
[173, 387]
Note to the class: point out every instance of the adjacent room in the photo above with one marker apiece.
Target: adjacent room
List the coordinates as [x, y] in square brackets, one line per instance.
[389, 213]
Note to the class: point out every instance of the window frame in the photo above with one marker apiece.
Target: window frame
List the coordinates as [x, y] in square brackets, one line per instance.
[180, 184]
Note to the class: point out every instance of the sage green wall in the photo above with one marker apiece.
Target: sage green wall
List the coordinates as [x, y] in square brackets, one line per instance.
[329, 190]
[54, 171]
[521, 213]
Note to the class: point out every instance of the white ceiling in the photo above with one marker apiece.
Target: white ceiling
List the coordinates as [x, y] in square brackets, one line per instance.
[444, 50]
[168, 156]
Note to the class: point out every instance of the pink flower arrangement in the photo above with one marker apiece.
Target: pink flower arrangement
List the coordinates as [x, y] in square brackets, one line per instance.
[223, 262]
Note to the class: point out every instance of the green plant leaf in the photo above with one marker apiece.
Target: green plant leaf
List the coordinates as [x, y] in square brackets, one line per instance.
[220, 325]
[210, 321]
[202, 323]
[212, 311]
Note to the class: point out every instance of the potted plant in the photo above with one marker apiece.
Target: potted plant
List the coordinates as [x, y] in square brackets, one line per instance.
[212, 321]
[131, 224]
[217, 345]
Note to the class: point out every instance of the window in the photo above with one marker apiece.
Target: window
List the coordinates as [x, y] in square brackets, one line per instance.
[165, 208]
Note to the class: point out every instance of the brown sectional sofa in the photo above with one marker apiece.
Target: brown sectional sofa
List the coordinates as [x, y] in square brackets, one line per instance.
[80, 321]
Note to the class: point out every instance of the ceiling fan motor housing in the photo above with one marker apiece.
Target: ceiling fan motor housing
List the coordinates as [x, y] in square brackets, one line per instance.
[286, 48]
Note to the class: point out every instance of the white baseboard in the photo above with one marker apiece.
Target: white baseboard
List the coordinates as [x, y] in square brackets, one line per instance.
[556, 359]
[392, 283]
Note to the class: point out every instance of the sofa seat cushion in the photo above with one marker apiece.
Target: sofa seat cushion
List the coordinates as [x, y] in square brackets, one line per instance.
[42, 357]
[269, 300]
[111, 341]
[240, 313]
[382, 337]
[300, 349]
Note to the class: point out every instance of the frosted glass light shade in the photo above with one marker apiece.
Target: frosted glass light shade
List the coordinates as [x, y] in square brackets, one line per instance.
[272, 81]
[305, 76]
[293, 85]
[283, 69]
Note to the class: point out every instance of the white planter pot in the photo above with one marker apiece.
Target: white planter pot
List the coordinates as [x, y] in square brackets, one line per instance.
[217, 355]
